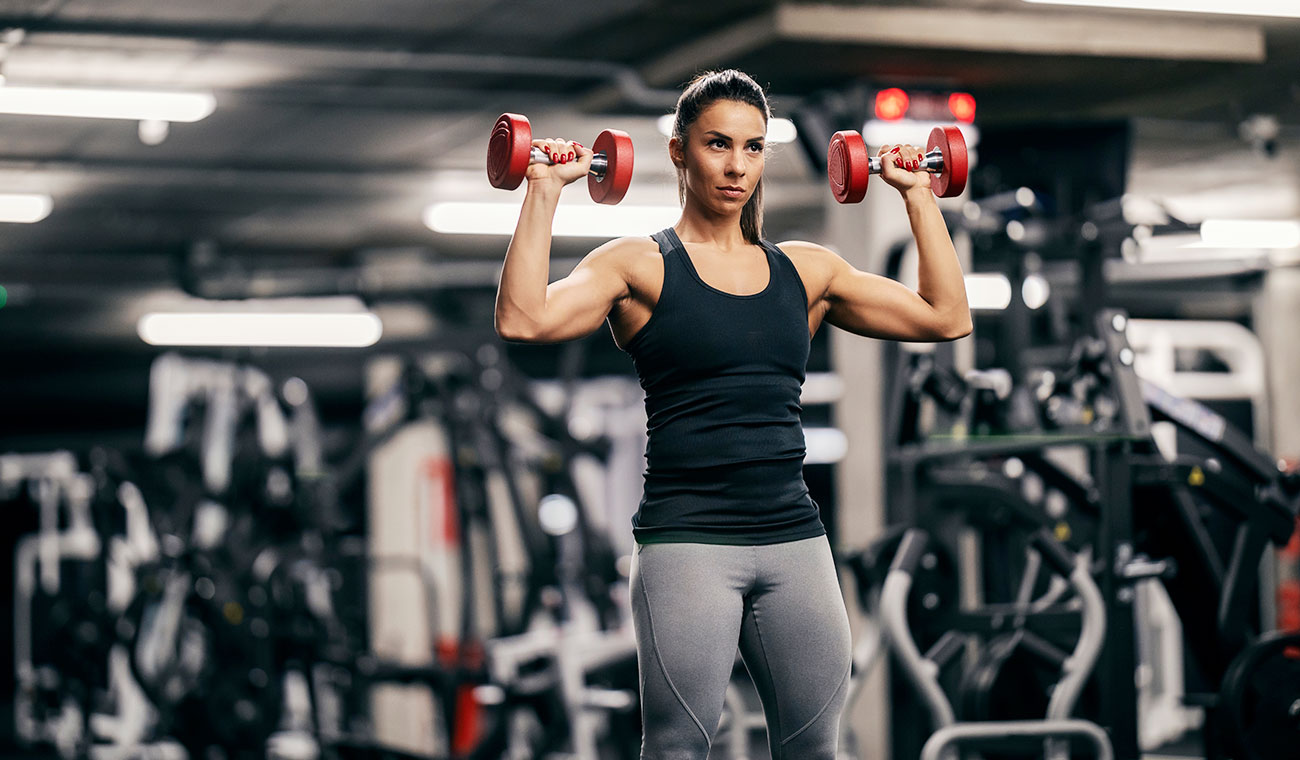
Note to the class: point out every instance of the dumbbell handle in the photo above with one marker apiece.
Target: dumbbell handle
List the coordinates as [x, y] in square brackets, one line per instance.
[599, 162]
[931, 162]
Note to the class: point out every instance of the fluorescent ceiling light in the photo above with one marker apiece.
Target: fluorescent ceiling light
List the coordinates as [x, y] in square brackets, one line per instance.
[24, 208]
[1280, 8]
[106, 104]
[988, 291]
[223, 327]
[589, 220]
[778, 130]
[825, 445]
[878, 132]
[1035, 291]
[1249, 233]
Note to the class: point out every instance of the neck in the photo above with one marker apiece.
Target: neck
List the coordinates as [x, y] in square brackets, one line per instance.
[700, 225]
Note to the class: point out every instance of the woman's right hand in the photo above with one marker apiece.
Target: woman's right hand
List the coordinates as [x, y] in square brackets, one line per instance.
[571, 160]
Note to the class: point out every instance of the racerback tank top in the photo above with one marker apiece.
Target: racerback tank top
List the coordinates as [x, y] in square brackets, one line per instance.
[722, 374]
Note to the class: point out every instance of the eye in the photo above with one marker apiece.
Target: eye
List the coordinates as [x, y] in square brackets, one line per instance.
[718, 142]
[756, 147]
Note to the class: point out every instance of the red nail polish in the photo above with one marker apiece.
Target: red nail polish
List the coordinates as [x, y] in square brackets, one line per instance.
[572, 156]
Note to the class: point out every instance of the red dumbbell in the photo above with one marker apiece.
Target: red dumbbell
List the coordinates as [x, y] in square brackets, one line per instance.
[510, 151]
[849, 167]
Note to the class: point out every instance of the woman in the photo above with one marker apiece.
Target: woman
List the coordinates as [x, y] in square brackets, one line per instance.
[730, 547]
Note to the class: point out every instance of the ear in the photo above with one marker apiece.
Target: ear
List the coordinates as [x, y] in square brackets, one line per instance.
[676, 153]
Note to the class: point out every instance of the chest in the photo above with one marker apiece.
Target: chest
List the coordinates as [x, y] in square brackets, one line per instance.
[739, 274]
[702, 329]
[646, 283]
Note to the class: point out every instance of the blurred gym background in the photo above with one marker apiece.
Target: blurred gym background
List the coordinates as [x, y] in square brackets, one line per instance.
[273, 487]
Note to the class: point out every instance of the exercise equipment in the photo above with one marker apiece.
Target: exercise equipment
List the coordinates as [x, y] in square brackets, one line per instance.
[546, 651]
[923, 669]
[205, 592]
[849, 167]
[1261, 699]
[1192, 524]
[511, 151]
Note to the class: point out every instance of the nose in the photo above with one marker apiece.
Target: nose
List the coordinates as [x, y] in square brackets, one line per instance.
[736, 163]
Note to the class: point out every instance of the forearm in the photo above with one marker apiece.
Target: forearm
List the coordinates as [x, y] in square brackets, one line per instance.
[939, 277]
[521, 294]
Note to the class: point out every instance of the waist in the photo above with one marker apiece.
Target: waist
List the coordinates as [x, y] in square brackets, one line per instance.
[701, 476]
[743, 503]
[716, 423]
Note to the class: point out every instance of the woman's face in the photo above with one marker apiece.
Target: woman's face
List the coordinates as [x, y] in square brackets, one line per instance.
[723, 155]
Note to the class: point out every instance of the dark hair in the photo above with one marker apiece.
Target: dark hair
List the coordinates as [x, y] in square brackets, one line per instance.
[704, 90]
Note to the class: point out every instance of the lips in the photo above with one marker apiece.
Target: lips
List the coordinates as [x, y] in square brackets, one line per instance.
[732, 191]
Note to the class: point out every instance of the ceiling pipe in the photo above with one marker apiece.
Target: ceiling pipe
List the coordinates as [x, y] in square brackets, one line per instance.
[340, 54]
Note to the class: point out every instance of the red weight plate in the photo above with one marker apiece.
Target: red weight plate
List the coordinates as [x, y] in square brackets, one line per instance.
[848, 166]
[509, 151]
[952, 180]
[617, 147]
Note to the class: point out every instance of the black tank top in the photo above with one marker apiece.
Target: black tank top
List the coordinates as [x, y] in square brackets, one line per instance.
[722, 375]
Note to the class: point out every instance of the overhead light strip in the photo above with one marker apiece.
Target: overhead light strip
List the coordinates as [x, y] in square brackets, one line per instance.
[988, 291]
[1250, 233]
[260, 329]
[24, 208]
[878, 132]
[1277, 8]
[136, 105]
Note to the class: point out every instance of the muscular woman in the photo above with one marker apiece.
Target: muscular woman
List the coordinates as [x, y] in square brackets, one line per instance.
[718, 321]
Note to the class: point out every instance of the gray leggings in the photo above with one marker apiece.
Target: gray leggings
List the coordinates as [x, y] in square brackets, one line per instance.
[692, 604]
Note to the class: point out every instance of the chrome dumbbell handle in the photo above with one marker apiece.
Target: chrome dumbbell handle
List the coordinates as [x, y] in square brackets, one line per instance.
[931, 162]
[599, 162]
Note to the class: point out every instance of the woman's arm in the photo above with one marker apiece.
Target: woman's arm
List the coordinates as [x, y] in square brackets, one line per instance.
[527, 308]
[880, 307]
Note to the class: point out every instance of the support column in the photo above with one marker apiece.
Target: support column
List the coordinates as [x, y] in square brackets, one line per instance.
[1277, 311]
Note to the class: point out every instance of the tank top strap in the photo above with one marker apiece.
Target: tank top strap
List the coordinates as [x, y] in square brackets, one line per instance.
[666, 239]
[784, 265]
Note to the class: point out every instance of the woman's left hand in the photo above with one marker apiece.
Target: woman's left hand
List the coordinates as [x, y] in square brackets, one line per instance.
[900, 167]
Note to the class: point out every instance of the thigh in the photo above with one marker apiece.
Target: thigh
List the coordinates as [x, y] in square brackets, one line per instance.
[687, 602]
[796, 643]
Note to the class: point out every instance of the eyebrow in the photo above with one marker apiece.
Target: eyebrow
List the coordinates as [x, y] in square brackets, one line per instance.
[716, 133]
